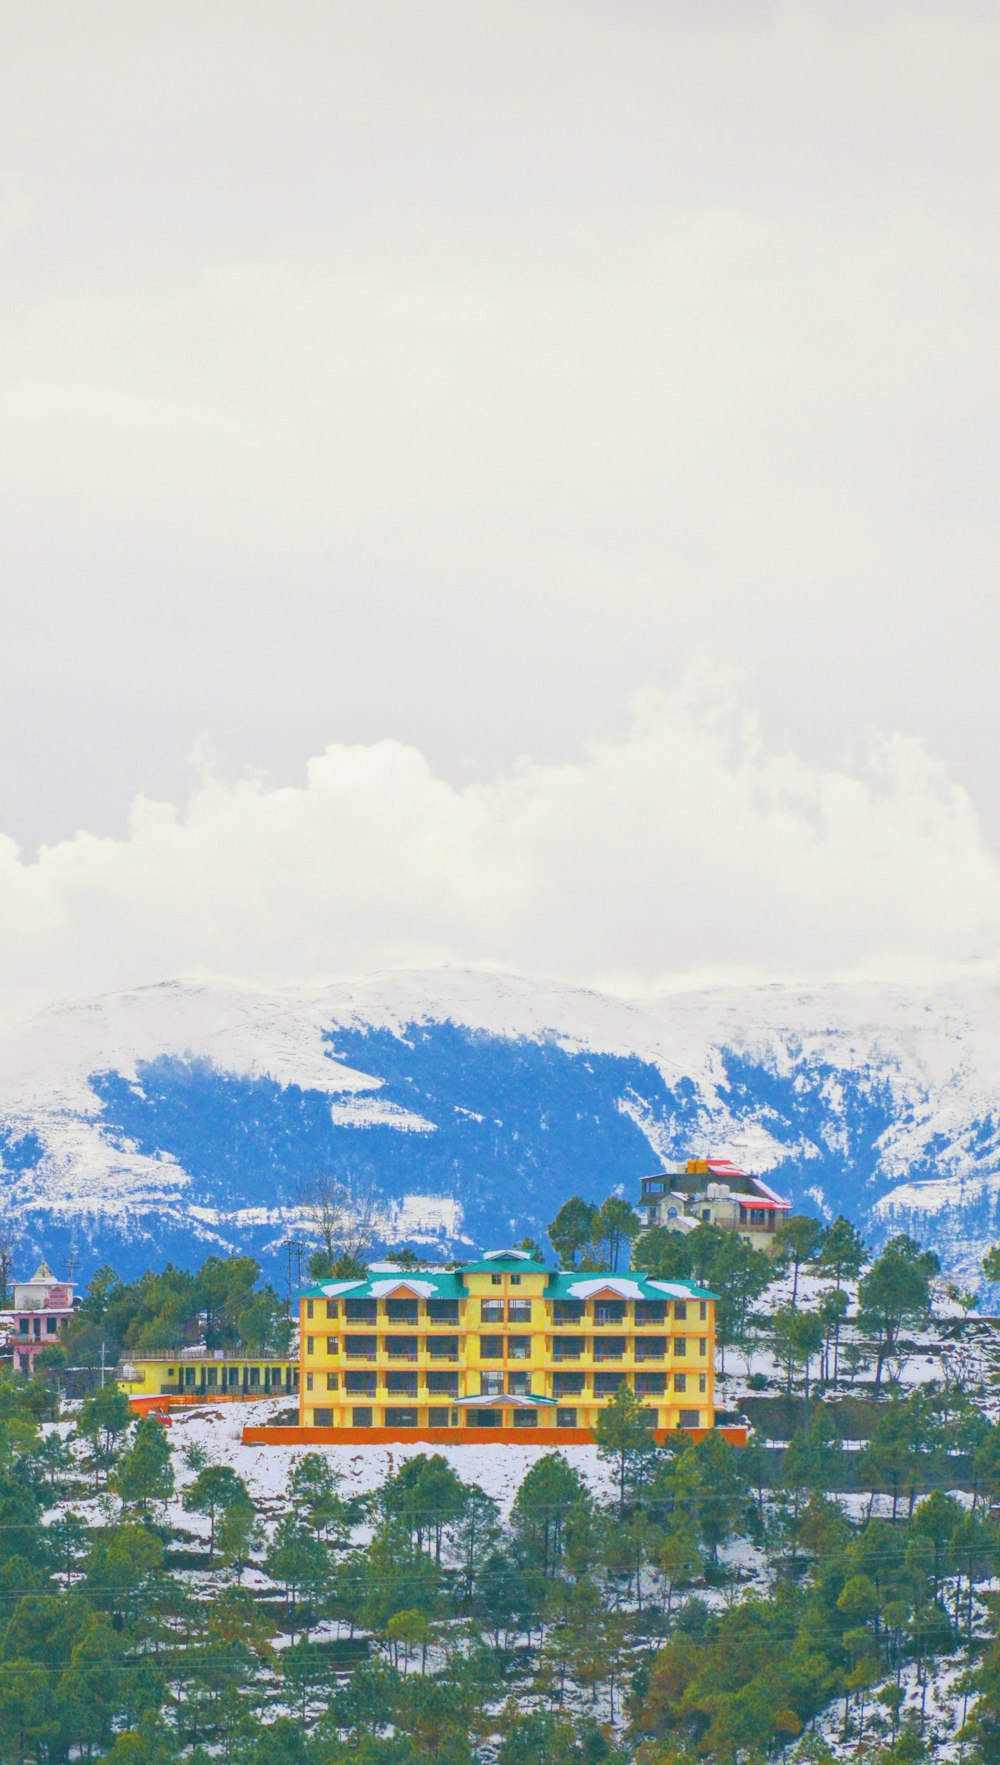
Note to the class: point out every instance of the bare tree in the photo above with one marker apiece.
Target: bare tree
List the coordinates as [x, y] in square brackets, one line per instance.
[343, 1220]
[10, 1237]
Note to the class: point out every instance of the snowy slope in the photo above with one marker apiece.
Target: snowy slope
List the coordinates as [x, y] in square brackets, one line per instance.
[187, 1116]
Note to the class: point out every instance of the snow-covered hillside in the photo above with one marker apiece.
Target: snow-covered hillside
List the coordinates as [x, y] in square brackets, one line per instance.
[178, 1118]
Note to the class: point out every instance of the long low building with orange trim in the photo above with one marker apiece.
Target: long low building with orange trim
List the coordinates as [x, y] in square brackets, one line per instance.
[502, 1346]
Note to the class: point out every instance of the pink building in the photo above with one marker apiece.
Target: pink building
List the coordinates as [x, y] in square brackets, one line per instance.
[39, 1314]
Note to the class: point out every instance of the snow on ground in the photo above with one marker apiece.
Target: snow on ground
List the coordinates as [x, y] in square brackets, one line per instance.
[945, 1706]
[499, 1470]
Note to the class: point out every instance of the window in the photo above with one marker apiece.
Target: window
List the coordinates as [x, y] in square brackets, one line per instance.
[519, 1311]
[568, 1311]
[332, 1381]
[442, 1311]
[491, 1348]
[690, 1418]
[609, 1311]
[401, 1384]
[702, 1381]
[309, 1308]
[400, 1418]
[331, 1308]
[519, 1348]
[360, 1311]
[647, 1418]
[706, 1214]
[213, 1375]
[401, 1311]
[650, 1384]
[255, 1375]
[332, 1345]
[22, 1324]
[680, 1309]
[309, 1378]
[323, 1418]
[609, 1348]
[680, 1347]
[50, 1326]
[703, 1345]
[491, 1311]
[446, 1383]
[703, 1310]
[362, 1418]
[497, 1280]
[568, 1348]
[680, 1381]
[359, 1384]
[519, 1384]
[401, 1348]
[650, 1348]
[438, 1418]
[650, 1311]
[525, 1418]
[565, 1418]
[310, 1344]
[359, 1348]
[567, 1384]
[491, 1384]
[606, 1384]
[515, 1280]
[443, 1348]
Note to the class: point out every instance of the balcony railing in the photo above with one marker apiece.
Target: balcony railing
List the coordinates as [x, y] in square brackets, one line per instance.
[209, 1357]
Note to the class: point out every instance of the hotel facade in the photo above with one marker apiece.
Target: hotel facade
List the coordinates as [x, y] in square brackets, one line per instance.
[501, 1346]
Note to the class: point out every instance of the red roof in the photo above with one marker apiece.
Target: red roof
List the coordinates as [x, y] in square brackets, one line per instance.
[724, 1167]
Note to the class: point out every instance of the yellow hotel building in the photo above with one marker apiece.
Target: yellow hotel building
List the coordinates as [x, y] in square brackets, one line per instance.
[501, 1345]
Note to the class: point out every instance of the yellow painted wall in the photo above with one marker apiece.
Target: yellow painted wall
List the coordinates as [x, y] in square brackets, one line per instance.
[325, 1361]
[156, 1376]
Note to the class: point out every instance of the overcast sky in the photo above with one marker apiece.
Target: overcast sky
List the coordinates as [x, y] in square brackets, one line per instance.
[509, 482]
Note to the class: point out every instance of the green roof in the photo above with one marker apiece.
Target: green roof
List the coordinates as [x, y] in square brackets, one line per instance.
[566, 1284]
[378, 1284]
[561, 1283]
[497, 1262]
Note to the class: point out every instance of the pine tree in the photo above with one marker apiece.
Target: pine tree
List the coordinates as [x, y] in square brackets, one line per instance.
[798, 1239]
[573, 1230]
[214, 1491]
[104, 1417]
[144, 1475]
[624, 1437]
[548, 1493]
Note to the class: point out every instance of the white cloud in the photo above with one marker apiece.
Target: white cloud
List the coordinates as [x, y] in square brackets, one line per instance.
[450, 371]
[685, 845]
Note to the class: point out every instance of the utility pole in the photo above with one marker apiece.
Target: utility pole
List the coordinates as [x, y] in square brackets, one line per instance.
[293, 1253]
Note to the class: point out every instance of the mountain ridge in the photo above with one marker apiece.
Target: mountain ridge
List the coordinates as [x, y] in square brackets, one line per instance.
[187, 1116]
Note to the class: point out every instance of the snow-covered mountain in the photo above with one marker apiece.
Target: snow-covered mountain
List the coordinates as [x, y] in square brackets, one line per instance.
[177, 1118]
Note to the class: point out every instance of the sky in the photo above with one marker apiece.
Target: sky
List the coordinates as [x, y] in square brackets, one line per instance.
[509, 483]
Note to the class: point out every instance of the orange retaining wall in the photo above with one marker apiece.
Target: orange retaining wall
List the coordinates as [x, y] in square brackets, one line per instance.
[175, 1399]
[264, 1436]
